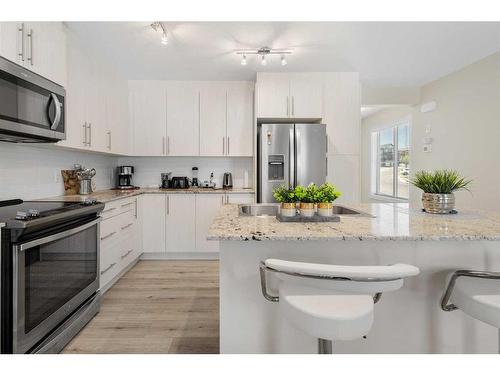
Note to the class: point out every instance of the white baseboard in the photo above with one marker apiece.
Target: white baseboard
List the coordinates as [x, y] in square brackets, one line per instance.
[181, 256]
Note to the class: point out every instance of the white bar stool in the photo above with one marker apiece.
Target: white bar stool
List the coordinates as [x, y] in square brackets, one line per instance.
[331, 302]
[477, 294]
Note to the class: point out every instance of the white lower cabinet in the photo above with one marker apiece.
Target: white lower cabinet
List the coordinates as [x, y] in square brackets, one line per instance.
[120, 239]
[207, 207]
[180, 223]
[154, 223]
[240, 198]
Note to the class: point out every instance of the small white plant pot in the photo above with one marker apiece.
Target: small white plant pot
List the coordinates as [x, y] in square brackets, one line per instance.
[288, 209]
[306, 209]
[325, 209]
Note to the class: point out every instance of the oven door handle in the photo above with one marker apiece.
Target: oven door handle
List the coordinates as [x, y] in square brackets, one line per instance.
[55, 237]
[57, 117]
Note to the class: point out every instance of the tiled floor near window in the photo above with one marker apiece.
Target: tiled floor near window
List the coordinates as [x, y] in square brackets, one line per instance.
[157, 307]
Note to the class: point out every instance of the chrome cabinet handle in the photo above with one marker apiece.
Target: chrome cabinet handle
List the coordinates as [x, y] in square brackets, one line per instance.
[58, 106]
[90, 134]
[109, 210]
[107, 269]
[222, 199]
[127, 226]
[223, 145]
[107, 236]
[20, 30]
[168, 205]
[293, 106]
[287, 106]
[168, 145]
[85, 133]
[163, 146]
[127, 253]
[228, 145]
[109, 140]
[127, 204]
[327, 143]
[30, 37]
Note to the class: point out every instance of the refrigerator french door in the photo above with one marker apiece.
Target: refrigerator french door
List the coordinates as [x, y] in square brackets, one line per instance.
[290, 155]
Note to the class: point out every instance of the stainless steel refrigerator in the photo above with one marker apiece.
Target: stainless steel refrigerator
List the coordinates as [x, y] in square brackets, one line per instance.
[291, 155]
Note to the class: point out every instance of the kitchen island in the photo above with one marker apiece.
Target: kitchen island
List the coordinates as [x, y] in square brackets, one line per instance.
[406, 321]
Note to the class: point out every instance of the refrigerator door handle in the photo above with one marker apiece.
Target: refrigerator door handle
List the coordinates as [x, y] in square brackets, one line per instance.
[291, 162]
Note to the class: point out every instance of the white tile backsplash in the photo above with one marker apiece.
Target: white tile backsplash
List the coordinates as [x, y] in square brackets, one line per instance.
[148, 169]
[29, 172]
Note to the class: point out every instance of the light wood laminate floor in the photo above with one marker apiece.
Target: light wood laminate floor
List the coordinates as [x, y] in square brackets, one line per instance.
[157, 307]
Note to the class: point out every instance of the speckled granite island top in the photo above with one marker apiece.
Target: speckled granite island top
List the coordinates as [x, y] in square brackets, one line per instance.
[392, 221]
[109, 195]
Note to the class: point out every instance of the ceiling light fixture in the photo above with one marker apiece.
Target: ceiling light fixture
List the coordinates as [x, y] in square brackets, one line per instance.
[263, 52]
[283, 60]
[159, 27]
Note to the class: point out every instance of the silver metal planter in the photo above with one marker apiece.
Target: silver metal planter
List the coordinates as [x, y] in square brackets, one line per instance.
[438, 203]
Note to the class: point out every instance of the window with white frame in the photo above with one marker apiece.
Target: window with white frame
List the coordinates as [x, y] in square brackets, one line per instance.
[391, 161]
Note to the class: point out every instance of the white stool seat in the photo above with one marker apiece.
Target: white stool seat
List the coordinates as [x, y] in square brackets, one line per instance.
[325, 315]
[479, 298]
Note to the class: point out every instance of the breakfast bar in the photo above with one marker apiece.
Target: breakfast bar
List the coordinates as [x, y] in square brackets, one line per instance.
[409, 320]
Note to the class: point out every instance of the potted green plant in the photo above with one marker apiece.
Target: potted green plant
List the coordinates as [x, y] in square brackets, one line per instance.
[438, 188]
[327, 193]
[286, 196]
[307, 196]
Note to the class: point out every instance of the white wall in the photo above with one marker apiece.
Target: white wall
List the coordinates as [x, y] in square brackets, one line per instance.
[148, 169]
[465, 128]
[29, 172]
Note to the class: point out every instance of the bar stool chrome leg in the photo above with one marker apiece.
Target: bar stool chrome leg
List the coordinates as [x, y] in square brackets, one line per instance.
[325, 346]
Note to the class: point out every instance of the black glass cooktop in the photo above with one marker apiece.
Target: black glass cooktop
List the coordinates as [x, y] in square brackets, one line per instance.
[20, 210]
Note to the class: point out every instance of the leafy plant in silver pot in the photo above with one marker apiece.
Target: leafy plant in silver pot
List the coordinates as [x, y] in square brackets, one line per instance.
[438, 188]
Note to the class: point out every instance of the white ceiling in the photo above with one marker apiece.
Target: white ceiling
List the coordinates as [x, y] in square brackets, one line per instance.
[385, 53]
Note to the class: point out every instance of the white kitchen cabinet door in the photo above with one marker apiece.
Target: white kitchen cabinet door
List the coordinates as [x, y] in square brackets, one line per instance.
[148, 118]
[306, 95]
[46, 50]
[117, 121]
[273, 95]
[76, 91]
[183, 118]
[240, 198]
[153, 216]
[239, 119]
[10, 43]
[207, 207]
[95, 107]
[213, 140]
[342, 100]
[181, 223]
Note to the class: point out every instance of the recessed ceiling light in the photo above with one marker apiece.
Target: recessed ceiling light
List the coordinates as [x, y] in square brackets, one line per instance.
[283, 60]
[159, 27]
[263, 60]
[244, 60]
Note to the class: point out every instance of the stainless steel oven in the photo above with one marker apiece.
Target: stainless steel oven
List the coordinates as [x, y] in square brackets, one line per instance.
[32, 108]
[50, 284]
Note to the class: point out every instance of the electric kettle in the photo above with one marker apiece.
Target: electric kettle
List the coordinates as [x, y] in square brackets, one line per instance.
[227, 181]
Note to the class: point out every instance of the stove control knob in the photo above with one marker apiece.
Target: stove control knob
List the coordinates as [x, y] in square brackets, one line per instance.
[33, 213]
[22, 215]
[89, 202]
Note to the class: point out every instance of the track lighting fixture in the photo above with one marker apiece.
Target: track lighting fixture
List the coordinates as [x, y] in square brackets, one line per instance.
[263, 52]
[159, 27]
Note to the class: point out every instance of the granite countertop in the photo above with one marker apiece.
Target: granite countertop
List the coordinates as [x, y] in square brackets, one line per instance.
[109, 195]
[392, 221]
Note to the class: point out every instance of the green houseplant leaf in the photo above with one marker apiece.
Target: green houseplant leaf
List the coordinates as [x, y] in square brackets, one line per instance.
[442, 181]
[283, 194]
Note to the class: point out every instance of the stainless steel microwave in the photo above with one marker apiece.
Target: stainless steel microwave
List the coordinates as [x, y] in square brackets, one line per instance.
[31, 106]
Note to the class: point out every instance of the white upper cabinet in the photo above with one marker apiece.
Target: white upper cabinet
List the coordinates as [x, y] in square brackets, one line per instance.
[148, 111]
[273, 95]
[183, 118]
[207, 207]
[181, 223]
[306, 95]
[289, 95]
[213, 104]
[38, 46]
[239, 119]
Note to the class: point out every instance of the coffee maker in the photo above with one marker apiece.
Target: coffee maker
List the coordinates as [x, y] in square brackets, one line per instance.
[124, 177]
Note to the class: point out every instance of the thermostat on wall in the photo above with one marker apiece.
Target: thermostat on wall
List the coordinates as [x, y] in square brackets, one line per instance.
[428, 107]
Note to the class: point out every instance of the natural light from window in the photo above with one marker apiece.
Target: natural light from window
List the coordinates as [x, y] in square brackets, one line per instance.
[392, 162]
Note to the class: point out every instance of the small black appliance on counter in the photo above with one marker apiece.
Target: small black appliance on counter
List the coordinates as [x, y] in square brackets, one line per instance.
[124, 177]
[179, 183]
